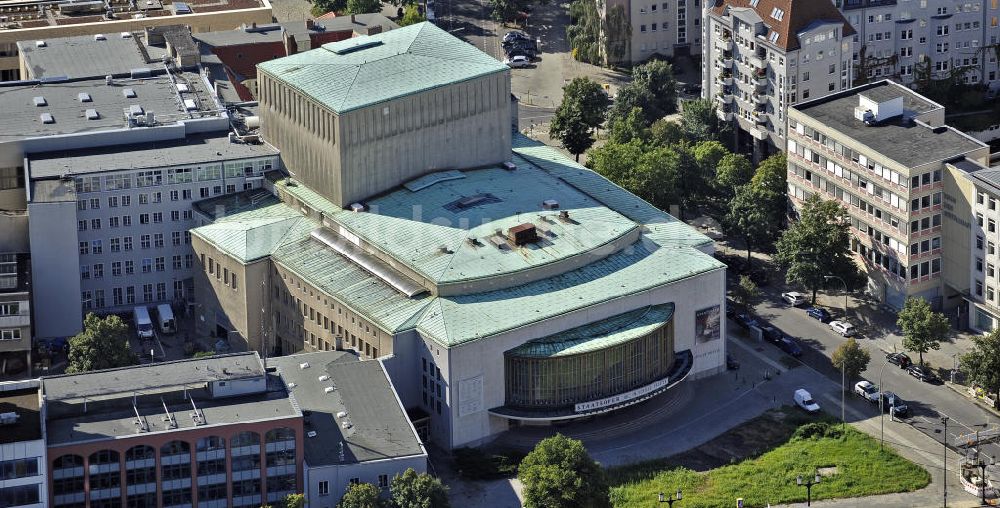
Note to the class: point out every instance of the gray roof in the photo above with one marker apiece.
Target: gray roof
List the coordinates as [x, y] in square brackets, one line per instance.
[186, 151]
[907, 143]
[154, 376]
[21, 117]
[988, 177]
[272, 32]
[53, 191]
[379, 428]
[84, 57]
[21, 398]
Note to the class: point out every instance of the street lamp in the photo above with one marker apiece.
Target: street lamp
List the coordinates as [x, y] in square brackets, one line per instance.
[828, 277]
[808, 484]
[671, 499]
[982, 465]
[881, 403]
[944, 420]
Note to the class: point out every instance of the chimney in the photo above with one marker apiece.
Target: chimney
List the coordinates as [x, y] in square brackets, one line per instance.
[309, 24]
[289, 42]
[352, 19]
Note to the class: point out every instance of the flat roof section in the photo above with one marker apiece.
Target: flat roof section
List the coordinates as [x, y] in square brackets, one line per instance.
[158, 94]
[191, 150]
[378, 427]
[898, 139]
[25, 14]
[188, 372]
[24, 403]
[272, 32]
[86, 57]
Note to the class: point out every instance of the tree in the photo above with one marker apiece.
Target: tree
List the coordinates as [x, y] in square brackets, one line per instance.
[733, 171]
[584, 31]
[650, 173]
[558, 473]
[747, 220]
[103, 344]
[295, 501]
[699, 121]
[321, 7]
[982, 363]
[818, 245]
[360, 495]
[923, 329]
[665, 133]
[770, 179]
[747, 294]
[582, 110]
[708, 154]
[623, 130]
[418, 490]
[411, 16]
[363, 6]
[632, 96]
[657, 77]
[617, 32]
[852, 358]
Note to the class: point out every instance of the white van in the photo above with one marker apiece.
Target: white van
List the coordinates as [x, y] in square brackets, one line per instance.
[805, 401]
[143, 325]
[165, 316]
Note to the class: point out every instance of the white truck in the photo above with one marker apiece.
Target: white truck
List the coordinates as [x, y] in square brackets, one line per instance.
[143, 325]
[165, 318]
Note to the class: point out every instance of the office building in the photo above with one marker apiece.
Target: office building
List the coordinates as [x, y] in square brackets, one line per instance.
[23, 459]
[894, 36]
[37, 21]
[761, 56]
[463, 264]
[667, 29]
[884, 152]
[15, 314]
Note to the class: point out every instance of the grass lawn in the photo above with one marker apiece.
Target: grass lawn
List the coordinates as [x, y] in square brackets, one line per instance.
[861, 469]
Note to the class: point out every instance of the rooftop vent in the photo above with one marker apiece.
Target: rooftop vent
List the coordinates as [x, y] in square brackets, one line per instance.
[879, 108]
[471, 201]
[523, 234]
[324, 377]
[292, 385]
[47, 118]
[190, 104]
[9, 418]
[40, 44]
[135, 110]
[444, 249]
[328, 389]
[141, 72]
[550, 204]
[473, 241]
[311, 433]
[100, 37]
[182, 8]
[353, 44]
[357, 207]
[346, 425]
[181, 87]
[304, 365]
[83, 97]
[126, 35]
[92, 114]
[129, 93]
[40, 101]
[342, 414]
[509, 166]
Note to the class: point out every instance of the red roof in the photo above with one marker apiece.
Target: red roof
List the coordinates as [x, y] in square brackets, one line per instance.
[797, 15]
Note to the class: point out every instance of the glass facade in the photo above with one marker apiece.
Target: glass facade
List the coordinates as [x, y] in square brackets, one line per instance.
[548, 382]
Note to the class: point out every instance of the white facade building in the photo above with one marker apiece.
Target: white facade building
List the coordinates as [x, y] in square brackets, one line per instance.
[23, 470]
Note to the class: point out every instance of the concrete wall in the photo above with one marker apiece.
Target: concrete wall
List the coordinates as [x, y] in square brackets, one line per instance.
[960, 229]
[241, 304]
[646, 42]
[339, 476]
[483, 358]
[14, 230]
[351, 157]
[55, 274]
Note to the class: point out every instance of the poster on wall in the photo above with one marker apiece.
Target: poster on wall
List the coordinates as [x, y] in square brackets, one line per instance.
[708, 324]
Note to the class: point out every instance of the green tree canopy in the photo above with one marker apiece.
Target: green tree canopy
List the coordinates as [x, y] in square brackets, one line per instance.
[747, 294]
[418, 490]
[665, 133]
[923, 329]
[558, 473]
[981, 364]
[411, 16]
[748, 221]
[708, 154]
[651, 173]
[584, 31]
[569, 127]
[652, 90]
[320, 7]
[294, 501]
[360, 495]
[363, 6]
[616, 33]
[853, 358]
[700, 123]
[623, 130]
[770, 179]
[583, 109]
[103, 344]
[818, 245]
[733, 171]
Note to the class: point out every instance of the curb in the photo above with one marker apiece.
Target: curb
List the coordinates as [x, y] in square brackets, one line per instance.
[974, 400]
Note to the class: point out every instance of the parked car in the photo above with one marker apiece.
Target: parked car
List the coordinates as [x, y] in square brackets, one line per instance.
[794, 298]
[867, 391]
[521, 43]
[788, 345]
[731, 307]
[842, 327]
[899, 359]
[517, 61]
[770, 332]
[891, 403]
[731, 363]
[745, 320]
[515, 35]
[804, 400]
[817, 313]
[922, 373]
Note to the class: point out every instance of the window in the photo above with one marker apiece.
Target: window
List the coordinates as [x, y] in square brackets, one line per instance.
[979, 242]
[12, 334]
[383, 481]
[324, 488]
[979, 264]
[979, 288]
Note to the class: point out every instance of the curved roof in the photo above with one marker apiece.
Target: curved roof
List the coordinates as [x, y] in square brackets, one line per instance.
[598, 335]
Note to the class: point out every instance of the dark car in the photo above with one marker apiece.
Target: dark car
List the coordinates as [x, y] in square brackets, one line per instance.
[817, 313]
[899, 359]
[770, 332]
[789, 346]
[745, 320]
[513, 36]
[892, 403]
[731, 363]
[922, 373]
[731, 308]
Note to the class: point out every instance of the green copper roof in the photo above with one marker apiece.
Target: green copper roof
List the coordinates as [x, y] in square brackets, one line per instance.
[255, 233]
[366, 70]
[598, 335]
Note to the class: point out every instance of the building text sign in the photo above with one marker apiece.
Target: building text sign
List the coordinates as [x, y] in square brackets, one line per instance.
[621, 397]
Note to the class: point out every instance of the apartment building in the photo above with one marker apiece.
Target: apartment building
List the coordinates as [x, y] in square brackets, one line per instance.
[15, 314]
[761, 56]
[670, 29]
[37, 21]
[894, 36]
[23, 459]
[884, 152]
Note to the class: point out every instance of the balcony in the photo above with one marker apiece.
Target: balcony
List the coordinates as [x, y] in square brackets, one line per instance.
[759, 117]
[724, 42]
[756, 61]
[760, 77]
[726, 59]
[724, 78]
[760, 98]
[724, 97]
[724, 113]
[758, 133]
